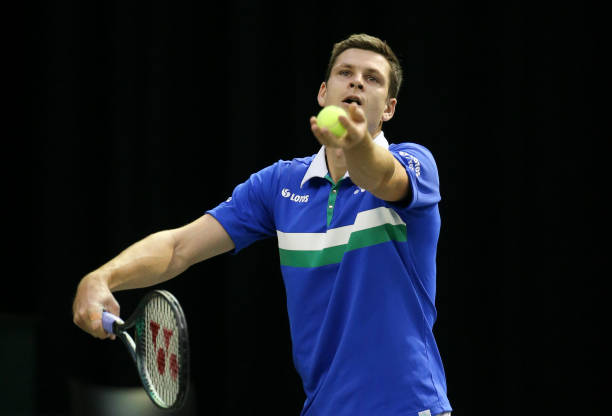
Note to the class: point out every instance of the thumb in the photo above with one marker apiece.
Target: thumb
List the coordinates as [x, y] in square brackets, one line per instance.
[111, 305]
[356, 113]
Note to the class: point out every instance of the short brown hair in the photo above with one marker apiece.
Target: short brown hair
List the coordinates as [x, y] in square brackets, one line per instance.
[374, 44]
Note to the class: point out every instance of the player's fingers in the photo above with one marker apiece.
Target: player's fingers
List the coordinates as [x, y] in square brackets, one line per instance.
[111, 305]
[314, 126]
[90, 321]
[354, 120]
[82, 318]
[92, 298]
[96, 329]
[320, 133]
[353, 130]
[324, 136]
[356, 113]
[355, 124]
[329, 138]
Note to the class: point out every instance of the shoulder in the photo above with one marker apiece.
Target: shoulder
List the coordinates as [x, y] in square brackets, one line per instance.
[293, 168]
[284, 164]
[298, 164]
[298, 161]
[410, 148]
[415, 158]
[412, 152]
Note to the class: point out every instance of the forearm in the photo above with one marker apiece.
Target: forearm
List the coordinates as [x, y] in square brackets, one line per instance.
[370, 166]
[150, 261]
[145, 263]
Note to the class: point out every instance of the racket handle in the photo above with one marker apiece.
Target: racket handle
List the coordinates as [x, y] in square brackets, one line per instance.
[108, 319]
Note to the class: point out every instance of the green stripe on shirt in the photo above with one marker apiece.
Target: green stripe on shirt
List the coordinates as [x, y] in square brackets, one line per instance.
[332, 255]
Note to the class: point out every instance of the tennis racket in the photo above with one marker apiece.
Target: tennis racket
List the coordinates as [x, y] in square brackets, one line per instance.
[160, 346]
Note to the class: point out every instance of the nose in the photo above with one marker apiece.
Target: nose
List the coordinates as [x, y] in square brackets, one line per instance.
[356, 83]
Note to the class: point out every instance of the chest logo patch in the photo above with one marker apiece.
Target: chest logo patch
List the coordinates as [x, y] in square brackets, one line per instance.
[286, 193]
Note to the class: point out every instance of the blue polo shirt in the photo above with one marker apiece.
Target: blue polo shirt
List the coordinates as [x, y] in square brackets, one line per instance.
[359, 274]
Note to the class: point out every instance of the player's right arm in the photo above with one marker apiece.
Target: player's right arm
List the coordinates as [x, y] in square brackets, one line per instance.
[152, 260]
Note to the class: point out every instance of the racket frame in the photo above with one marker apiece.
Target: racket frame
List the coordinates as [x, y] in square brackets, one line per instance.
[120, 329]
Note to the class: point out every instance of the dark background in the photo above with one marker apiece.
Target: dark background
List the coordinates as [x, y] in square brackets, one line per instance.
[141, 117]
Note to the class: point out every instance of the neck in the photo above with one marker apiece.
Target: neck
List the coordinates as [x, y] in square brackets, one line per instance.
[336, 164]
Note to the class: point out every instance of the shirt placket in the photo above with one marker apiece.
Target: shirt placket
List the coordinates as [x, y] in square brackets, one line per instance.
[331, 199]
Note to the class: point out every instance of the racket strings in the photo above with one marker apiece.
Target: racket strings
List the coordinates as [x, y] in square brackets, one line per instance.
[161, 350]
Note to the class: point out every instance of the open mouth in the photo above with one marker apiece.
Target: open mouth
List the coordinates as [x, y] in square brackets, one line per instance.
[352, 99]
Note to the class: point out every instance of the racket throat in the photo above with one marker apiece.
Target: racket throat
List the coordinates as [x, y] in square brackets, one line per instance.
[130, 344]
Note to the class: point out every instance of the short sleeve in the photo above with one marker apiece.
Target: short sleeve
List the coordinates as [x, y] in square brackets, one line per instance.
[422, 172]
[247, 215]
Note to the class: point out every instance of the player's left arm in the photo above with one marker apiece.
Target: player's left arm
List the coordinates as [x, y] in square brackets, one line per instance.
[374, 168]
[370, 166]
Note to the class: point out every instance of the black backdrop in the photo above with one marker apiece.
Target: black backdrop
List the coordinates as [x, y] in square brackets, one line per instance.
[144, 116]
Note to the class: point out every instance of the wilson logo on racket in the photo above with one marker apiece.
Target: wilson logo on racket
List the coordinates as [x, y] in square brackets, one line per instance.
[161, 352]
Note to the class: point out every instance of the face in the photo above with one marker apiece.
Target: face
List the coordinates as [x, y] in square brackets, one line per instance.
[360, 76]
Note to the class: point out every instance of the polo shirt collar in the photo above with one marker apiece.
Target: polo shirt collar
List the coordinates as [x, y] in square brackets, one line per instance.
[318, 166]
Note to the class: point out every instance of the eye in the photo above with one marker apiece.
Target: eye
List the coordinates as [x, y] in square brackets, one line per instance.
[344, 72]
[373, 78]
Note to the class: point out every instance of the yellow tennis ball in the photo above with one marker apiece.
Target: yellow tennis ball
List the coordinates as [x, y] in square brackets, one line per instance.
[328, 117]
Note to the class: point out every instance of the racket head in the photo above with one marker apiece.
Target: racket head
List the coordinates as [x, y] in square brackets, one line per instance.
[162, 349]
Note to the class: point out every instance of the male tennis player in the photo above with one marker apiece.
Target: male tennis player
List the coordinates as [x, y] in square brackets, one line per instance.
[357, 227]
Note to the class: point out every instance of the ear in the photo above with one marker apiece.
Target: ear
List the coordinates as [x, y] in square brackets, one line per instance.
[389, 109]
[322, 94]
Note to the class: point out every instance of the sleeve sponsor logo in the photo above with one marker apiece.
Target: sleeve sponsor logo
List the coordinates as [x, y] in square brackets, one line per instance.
[413, 162]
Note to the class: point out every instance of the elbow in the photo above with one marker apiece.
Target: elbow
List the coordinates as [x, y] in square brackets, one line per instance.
[175, 261]
[383, 182]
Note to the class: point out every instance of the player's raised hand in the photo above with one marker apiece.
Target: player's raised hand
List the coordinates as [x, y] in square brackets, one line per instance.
[92, 297]
[355, 124]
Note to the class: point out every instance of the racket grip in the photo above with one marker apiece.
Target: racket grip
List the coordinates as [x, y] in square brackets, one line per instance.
[108, 319]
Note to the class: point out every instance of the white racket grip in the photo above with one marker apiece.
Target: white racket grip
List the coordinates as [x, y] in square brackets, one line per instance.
[108, 319]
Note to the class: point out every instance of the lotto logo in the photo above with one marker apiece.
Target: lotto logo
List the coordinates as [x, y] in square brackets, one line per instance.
[286, 193]
[163, 352]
